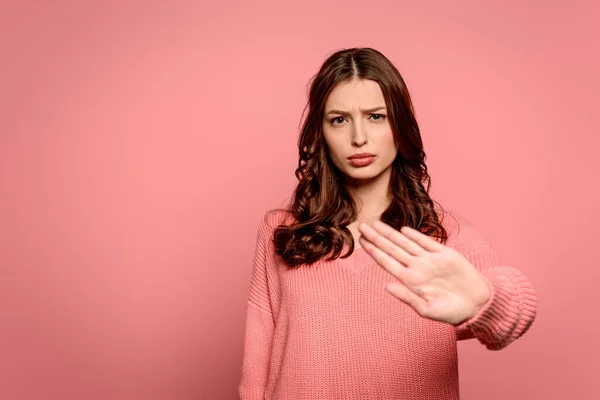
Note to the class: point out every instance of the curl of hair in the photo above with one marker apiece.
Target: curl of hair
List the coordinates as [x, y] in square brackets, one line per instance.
[321, 206]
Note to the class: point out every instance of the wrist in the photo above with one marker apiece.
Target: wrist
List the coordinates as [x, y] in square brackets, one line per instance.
[481, 298]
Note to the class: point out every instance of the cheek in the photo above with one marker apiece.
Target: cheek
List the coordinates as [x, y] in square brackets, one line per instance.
[388, 146]
[390, 142]
[335, 146]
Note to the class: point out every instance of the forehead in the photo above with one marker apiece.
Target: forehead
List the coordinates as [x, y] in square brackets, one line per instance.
[354, 94]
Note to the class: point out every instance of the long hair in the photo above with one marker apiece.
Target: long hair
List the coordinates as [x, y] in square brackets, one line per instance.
[321, 205]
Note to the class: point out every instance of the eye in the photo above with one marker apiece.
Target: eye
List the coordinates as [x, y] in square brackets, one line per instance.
[377, 117]
[337, 120]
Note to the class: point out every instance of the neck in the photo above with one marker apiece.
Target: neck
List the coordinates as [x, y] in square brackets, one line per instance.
[372, 197]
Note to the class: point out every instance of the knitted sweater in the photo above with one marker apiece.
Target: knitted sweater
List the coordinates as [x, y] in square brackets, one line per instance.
[331, 331]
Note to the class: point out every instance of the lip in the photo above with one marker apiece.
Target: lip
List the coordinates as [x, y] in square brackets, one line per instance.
[361, 160]
[361, 155]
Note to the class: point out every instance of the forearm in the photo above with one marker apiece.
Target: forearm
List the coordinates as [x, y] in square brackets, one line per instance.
[257, 350]
[508, 313]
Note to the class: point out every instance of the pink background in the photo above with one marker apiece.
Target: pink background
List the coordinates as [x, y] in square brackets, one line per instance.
[142, 142]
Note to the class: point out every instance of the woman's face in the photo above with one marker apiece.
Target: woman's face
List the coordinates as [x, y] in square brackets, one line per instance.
[357, 130]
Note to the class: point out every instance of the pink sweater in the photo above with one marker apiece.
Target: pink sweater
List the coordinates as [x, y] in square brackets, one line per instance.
[331, 330]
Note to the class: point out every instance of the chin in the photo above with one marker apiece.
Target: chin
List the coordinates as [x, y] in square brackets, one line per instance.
[363, 174]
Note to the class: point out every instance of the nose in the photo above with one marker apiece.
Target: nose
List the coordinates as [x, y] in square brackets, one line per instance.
[359, 135]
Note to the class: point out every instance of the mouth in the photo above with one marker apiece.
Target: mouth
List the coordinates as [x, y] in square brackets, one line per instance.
[361, 155]
[361, 160]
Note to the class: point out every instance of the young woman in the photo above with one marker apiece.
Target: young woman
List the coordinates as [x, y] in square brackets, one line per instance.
[362, 286]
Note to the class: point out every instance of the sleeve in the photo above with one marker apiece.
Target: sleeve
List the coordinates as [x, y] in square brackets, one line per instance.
[512, 306]
[259, 323]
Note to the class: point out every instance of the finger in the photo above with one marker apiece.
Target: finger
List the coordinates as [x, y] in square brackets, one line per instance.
[398, 238]
[390, 264]
[406, 295]
[385, 244]
[421, 239]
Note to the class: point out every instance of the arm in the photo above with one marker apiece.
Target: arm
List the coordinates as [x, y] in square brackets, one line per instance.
[511, 307]
[259, 323]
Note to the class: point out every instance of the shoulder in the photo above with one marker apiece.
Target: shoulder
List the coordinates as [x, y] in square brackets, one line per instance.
[272, 219]
[451, 220]
[462, 234]
[280, 216]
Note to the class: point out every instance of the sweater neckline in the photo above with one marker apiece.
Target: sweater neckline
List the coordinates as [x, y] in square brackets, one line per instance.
[355, 261]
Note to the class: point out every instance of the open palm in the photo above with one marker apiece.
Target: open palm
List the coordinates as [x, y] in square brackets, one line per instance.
[437, 281]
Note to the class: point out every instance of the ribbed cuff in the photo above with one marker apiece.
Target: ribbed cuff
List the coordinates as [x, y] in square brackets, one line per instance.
[496, 320]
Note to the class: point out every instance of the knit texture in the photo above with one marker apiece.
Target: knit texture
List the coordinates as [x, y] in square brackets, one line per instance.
[331, 331]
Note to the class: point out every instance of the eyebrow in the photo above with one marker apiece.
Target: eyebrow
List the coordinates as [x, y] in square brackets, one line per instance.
[368, 111]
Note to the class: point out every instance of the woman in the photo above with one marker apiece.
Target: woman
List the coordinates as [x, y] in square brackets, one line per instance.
[362, 286]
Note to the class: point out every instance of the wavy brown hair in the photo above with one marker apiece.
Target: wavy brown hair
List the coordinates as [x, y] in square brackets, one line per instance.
[321, 206]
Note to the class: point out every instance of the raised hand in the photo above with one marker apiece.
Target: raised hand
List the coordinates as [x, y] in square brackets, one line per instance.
[437, 281]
